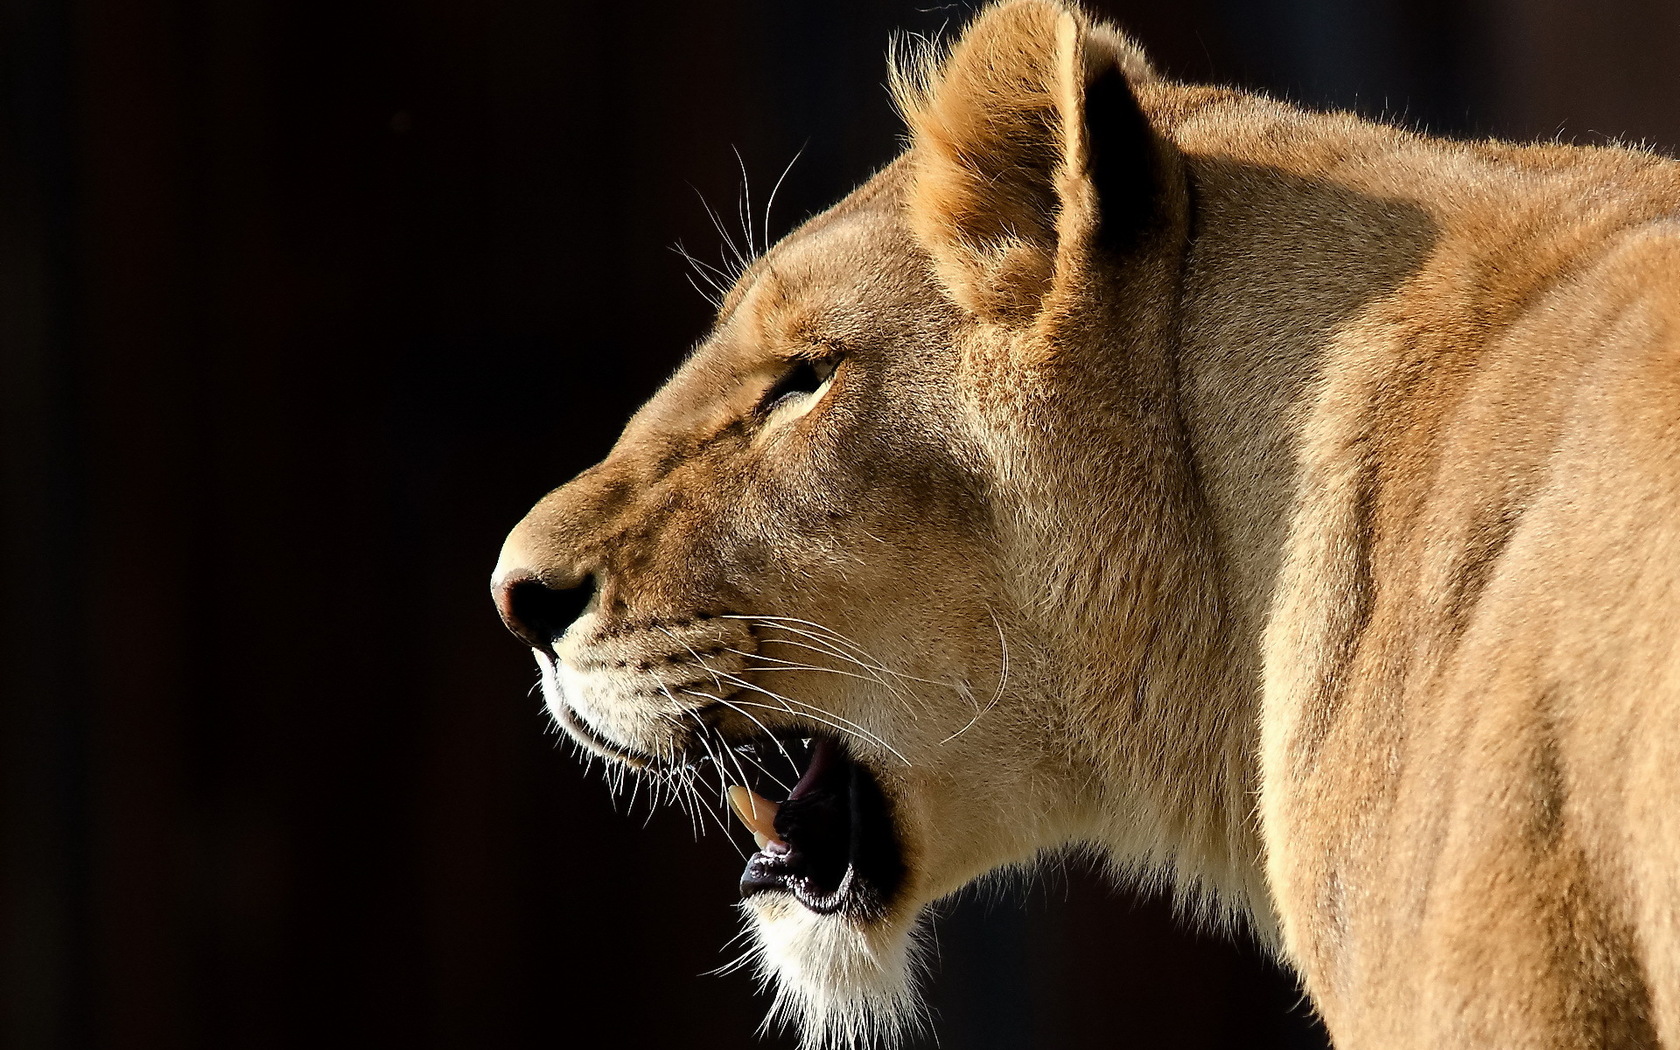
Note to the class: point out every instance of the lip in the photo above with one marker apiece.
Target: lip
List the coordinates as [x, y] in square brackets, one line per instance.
[583, 734]
[837, 847]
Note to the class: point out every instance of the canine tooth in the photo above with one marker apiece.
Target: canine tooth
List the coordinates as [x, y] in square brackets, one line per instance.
[756, 812]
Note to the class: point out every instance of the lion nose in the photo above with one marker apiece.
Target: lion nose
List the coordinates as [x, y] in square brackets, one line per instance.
[537, 613]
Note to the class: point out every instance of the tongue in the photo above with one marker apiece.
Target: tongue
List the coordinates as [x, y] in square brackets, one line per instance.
[824, 753]
[757, 813]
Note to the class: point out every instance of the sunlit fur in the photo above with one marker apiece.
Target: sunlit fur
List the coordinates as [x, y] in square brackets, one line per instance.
[1281, 505]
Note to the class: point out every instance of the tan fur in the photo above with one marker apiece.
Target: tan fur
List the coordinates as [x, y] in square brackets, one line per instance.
[1322, 502]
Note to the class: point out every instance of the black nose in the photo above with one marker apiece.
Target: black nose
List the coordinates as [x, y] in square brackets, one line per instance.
[537, 613]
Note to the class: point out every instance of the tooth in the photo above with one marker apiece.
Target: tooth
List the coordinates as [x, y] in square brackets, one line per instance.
[756, 812]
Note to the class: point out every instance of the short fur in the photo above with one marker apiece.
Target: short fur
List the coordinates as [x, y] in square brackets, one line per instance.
[1285, 504]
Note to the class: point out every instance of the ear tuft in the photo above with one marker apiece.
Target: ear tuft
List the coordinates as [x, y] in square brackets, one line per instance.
[1007, 177]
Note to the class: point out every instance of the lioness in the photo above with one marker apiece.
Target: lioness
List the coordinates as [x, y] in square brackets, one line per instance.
[1287, 505]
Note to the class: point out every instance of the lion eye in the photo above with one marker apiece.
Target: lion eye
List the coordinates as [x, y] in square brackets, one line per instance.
[804, 378]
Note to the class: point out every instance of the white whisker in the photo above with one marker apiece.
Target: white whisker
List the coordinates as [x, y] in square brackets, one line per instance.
[771, 203]
[740, 261]
[817, 714]
[699, 802]
[736, 755]
[793, 665]
[825, 630]
[746, 203]
[879, 668]
[1003, 681]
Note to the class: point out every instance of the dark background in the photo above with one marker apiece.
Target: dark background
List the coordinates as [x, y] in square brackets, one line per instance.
[302, 304]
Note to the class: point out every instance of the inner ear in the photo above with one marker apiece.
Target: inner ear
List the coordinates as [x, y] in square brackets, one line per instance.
[1028, 151]
[1120, 165]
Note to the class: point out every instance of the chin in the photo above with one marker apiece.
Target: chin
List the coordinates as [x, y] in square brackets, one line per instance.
[843, 980]
[827, 900]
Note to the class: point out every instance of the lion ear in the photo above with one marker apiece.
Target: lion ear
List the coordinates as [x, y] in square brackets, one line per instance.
[1028, 152]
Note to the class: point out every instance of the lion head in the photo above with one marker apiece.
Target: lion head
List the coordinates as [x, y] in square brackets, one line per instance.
[906, 556]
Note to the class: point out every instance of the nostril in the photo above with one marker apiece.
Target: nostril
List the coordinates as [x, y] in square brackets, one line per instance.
[539, 614]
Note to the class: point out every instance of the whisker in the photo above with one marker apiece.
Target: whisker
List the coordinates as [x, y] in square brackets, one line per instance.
[777, 741]
[829, 641]
[700, 804]
[747, 755]
[771, 202]
[721, 676]
[831, 648]
[704, 738]
[716, 303]
[794, 665]
[785, 709]
[741, 262]
[746, 201]
[789, 665]
[718, 817]
[852, 660]
[680, 786]
[1003, 681]
[779, 782]
[700, 664]
[714, 291]
[828, 631]
[908, 697]
[817, 714]
[708, 270]
[734, 756]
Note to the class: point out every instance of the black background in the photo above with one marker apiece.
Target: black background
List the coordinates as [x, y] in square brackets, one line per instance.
[302, 304]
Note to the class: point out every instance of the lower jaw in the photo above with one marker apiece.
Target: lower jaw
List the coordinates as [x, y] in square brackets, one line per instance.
[855, 897]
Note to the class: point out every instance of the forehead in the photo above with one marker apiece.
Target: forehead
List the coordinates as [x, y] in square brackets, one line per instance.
[836, 283]
[833, 275]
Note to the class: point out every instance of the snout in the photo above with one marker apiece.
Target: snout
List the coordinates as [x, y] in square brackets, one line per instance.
[628, 682]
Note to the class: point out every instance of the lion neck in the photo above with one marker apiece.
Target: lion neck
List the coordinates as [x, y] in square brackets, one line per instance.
[1118, 559]
[1220, 387]
[1150, 450]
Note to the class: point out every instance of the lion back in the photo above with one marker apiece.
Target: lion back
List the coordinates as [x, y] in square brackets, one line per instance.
[1472, 716]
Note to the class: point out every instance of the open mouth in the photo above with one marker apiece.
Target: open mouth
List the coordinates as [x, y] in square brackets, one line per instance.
[830, 843]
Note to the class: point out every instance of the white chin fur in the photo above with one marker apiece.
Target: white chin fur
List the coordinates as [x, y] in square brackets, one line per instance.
[841, 985]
